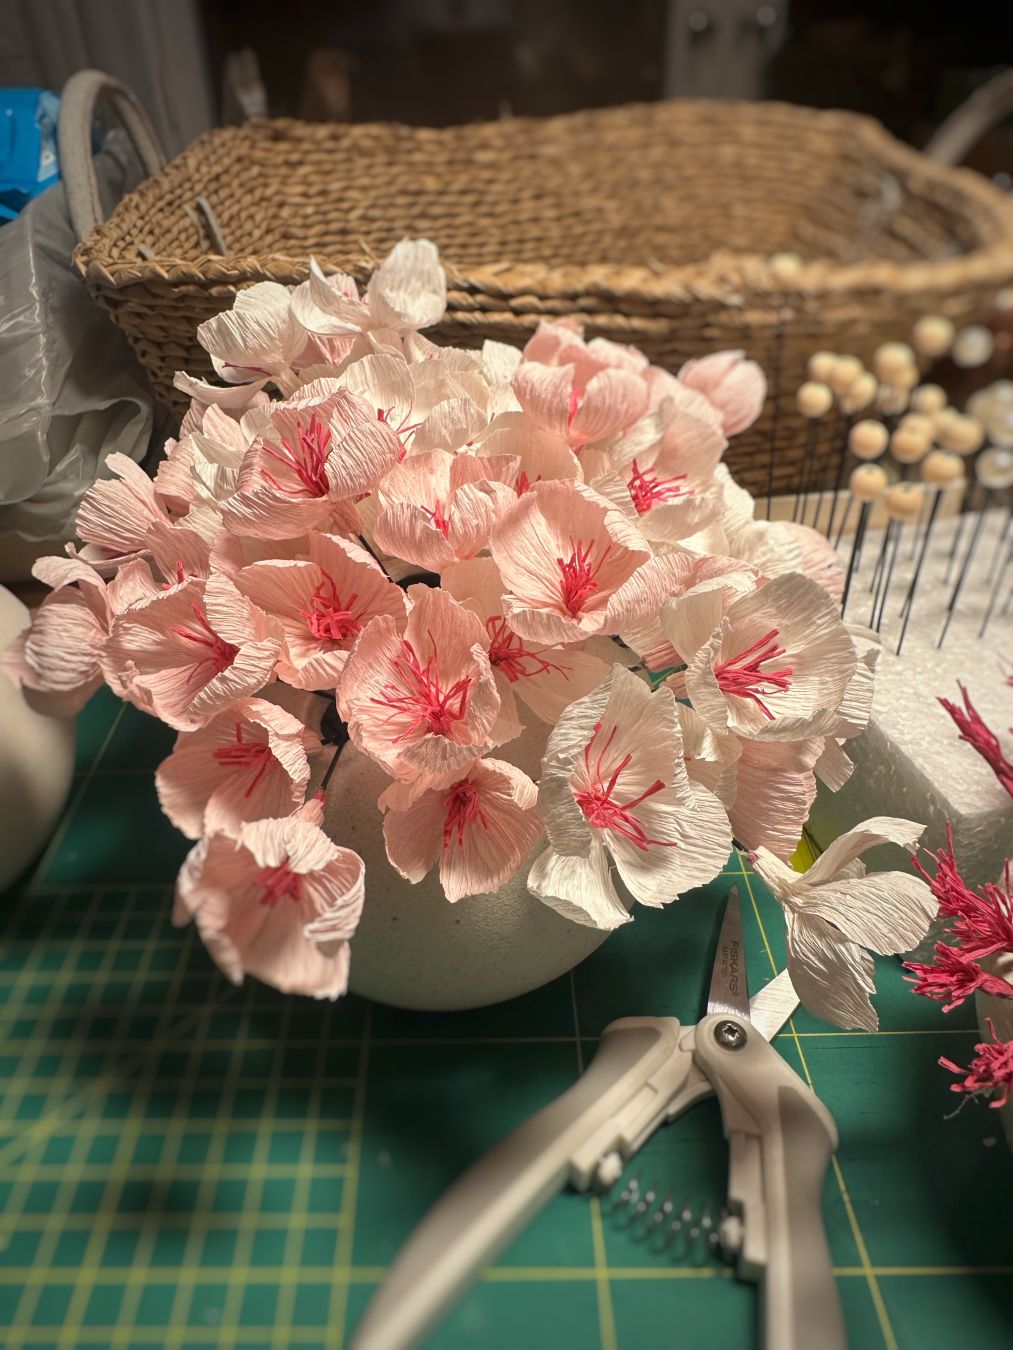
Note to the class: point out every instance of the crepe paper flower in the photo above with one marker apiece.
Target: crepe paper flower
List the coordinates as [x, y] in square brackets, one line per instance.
[116, 514]
[276, 900]
[258, 336]
[408, 290]
[451, 425]
[477, 830]
[573, 566]
[249, 763]
[980, 921]
[419, 697]
[735, 386]
[192, 651]
[991, 1071]
[438, 508]
[614, 783]
[234, 399]
[321, 605]
[540, 454]
[561, 343]
[309, 454]
[953, 977]
[710, 759]
[609, 403]
[978, 734]
[837, 915]
[777, 666]
[545, 679]
[775, 787]
[699, 591]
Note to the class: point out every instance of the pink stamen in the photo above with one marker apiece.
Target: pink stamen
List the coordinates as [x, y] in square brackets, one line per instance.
[220, 654]
[278, 882]
[648, 491]
[436, 515]
[509, 654]
[577, 582]
[308, 460]
[247, 755]
[330, 619]
[419, 695]
[463, 807]
[523, 482]
[741, 675]
[601, 809]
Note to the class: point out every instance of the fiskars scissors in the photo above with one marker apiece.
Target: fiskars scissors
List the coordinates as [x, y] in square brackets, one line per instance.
[646, 1072]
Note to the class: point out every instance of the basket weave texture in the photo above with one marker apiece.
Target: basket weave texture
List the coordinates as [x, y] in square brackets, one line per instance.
[653, 224]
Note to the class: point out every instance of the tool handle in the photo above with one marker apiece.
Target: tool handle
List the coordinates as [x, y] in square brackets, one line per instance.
[489, 1204]
[781, 1138]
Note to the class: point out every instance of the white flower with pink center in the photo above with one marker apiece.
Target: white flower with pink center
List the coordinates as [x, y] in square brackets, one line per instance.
[249, 763]
[735, 386]
[775, 668]
[419, 696]
[321, 604]
[540, 454]
[614, 785]
[476, 830]
[276, 900]
[699, 589]
[258, 338]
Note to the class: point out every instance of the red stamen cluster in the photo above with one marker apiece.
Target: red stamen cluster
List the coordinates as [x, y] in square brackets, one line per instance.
[330, 618]
[418, 695]
[278, 882]
[577, 582]
[307, 459]
[254, 755]
[991, 1071]
[741, 675]
[600, 808]
[220, 654]
[508, 653]
[439, 519]
[974, 730]
[647, 490]
[463, 806]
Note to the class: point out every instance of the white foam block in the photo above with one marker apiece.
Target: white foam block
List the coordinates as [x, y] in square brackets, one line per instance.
[911, 761]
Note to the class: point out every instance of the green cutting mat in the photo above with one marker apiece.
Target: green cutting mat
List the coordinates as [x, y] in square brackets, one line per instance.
[185, 1164]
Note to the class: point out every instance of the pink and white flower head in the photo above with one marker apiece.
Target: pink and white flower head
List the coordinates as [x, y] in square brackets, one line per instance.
[837, 915]
[190, 652]
[249, 763]
[778, 547]
[700, 588]
[546, 679]
[477, 830]
[320, 604]
[116, 515]
[584, 413]
[309, 456]
[540, 454]
[573, 566]
[436, 508]
[562, 344]
[258, 338]
[276, 900]
[408, 291]
[420, 697]
[735, 386]
[775, 668]
[614, 786]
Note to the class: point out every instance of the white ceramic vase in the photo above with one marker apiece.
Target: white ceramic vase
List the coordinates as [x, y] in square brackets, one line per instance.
[413, 948]
[36, 762]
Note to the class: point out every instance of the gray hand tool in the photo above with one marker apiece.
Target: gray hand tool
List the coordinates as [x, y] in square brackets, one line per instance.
[646, 1072]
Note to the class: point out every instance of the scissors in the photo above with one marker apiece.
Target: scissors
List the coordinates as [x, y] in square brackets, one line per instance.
[648, 1071]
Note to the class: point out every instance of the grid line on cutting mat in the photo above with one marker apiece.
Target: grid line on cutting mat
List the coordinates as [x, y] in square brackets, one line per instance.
[184, 1164]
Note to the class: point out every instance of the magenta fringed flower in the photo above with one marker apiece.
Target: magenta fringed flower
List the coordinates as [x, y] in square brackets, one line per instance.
[991, 1071]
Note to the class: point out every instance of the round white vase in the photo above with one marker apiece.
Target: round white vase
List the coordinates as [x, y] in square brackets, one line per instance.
[36, 762]
[413, 948]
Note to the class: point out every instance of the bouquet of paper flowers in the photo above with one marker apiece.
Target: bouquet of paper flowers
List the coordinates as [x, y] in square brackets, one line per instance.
[446, 554]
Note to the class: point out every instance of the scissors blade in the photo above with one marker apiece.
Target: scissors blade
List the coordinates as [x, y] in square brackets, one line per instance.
[773, 1005]
[729, 991]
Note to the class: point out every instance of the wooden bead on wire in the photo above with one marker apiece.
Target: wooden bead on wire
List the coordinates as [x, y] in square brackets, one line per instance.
[867, 481]
[860, 395]
[933, 336]
[908, 445]
[994, 470]
[928, 398]
[844, 373]
[963, 434]
[814, 399]
[892, 359]
[920, 422]
[904, 501]
[868, 440]
[820, 364]
[785, 267]
[973, 347]
[941, 468]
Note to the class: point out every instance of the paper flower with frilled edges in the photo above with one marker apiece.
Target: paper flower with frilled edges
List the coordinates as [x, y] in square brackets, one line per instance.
[460, 561]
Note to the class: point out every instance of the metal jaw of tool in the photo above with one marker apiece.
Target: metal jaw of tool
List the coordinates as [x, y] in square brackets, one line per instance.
[646, 1072]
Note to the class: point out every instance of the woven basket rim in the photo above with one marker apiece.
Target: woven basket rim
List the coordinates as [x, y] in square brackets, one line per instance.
[723, 275]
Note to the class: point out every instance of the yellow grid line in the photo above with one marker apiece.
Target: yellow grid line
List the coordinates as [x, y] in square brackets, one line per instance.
[606, 1312]
[337, 1318]
[863, 1253]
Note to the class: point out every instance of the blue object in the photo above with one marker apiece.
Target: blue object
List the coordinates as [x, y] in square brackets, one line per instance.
[28, 157]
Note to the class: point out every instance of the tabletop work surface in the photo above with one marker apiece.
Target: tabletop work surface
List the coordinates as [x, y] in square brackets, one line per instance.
[183, 1163]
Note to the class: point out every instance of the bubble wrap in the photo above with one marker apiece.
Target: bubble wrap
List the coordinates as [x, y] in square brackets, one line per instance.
[910, 761]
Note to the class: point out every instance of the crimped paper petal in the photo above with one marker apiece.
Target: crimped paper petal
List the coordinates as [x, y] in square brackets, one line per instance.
[580, 889]
[832, 976]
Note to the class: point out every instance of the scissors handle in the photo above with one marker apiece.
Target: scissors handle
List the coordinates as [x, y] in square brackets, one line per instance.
[781, 1138]
[623, 1093]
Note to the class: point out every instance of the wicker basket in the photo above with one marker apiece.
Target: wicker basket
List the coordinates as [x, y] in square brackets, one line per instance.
[653, 224]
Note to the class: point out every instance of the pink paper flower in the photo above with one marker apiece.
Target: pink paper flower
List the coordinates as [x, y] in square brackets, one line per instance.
[116, 515]
[278, 901]
[614, 785]
[249, 763]
[436, 508]
[980, 920]
[478, 830]
[573, 566]
[557, 398]
[981, 737]
[545, 679]
[190, 652]
[991, 1071]
[737, 387]
[258, 337]
[776, 668]
[953, 977]
[407, 291]
[420, 697]
[775, 787]
[321, 606]
[540, 454]
[699, 590]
